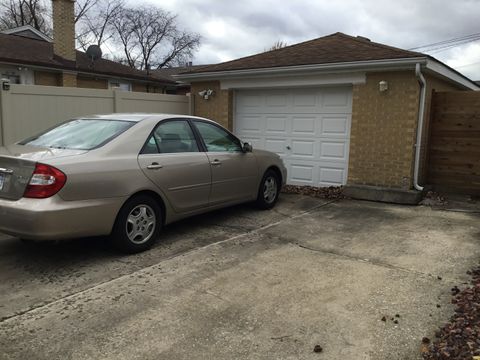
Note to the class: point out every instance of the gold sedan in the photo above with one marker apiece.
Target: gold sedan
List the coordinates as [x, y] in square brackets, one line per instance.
[127, 175]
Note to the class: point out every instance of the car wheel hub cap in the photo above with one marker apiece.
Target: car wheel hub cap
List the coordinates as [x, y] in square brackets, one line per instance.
[141, 224]
[270, 190]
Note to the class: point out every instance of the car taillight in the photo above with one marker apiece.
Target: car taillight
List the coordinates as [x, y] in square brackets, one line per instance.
[46, 181]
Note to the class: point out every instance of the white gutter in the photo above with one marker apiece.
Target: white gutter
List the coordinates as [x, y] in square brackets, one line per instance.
[284, 70]
[421, 111]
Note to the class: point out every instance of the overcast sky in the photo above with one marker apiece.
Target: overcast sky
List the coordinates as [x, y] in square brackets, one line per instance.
[232, 29]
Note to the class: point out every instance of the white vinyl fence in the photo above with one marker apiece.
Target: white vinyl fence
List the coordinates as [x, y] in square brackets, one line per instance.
[29, 109]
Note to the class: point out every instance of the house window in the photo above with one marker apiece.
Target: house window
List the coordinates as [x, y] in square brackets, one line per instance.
[14, 78]
[120, 85]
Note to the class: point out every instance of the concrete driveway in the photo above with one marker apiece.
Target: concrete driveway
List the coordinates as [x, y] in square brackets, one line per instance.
[244, 284]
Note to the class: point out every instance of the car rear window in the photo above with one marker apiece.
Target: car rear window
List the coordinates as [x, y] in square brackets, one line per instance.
[80, 134]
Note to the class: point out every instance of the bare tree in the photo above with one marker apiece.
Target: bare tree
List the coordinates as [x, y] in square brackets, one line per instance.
[36, 13]
[277, 45]
[151, 39]
[94, 19]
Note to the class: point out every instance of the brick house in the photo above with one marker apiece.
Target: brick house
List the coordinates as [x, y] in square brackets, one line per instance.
[29, 57]
[340, 110]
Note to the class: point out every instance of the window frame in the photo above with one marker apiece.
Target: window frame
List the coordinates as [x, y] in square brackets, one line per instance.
[204, 146]
[25, 142]
[164, 121]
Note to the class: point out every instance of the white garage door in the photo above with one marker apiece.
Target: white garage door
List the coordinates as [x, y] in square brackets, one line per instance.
[309, 128]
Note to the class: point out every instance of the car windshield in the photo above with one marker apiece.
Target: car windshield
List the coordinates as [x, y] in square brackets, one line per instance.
[80, 134]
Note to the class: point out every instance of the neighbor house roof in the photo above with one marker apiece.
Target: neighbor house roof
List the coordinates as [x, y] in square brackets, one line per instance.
[16, 49]
[334, 48]
[169, 72]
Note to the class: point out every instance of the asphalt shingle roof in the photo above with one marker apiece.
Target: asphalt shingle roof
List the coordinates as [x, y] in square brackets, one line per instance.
[334, 48]
[21, 50]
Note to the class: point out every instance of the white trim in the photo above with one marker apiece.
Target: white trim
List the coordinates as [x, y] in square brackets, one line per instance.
[450, 74]
[358, 66]
[405, 63]
[30, 28]
[291, 81]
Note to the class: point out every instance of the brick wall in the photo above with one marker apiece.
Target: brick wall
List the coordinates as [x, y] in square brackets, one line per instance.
[218, 107]
[91, 83]
[64, 29]
[68, 79]
[46, 78]
[383, 131]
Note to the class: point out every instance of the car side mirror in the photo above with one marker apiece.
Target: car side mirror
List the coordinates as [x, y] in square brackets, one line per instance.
[247, 147]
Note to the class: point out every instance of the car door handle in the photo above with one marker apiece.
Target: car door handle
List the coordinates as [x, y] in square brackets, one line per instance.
[216, 162]
[154, 166]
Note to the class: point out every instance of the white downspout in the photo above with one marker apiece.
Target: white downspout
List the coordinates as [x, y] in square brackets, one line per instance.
[421, 111]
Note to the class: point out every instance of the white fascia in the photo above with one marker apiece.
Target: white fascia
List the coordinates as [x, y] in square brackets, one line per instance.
[303, 80]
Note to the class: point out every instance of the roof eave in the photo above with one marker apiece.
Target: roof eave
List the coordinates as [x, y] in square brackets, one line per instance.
[328, 67]
[427, 62]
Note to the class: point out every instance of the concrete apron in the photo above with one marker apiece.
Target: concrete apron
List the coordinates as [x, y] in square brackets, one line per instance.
[326, 276]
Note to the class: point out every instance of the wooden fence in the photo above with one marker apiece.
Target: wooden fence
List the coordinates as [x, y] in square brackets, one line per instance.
[454, 146]
[28, 109]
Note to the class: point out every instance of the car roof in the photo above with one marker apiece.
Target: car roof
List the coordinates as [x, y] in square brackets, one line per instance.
[137, 117]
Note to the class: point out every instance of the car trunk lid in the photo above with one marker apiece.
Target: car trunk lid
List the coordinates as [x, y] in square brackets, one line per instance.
[17, 163]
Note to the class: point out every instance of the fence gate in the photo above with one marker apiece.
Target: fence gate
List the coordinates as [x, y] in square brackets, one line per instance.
[454, 147]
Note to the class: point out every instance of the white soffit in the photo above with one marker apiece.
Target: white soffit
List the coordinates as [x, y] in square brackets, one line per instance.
[290, 81]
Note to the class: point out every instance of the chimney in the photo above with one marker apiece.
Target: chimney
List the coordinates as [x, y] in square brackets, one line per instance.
[64, 29]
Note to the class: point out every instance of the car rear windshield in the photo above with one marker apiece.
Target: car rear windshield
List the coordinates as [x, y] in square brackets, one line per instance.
[80, 134]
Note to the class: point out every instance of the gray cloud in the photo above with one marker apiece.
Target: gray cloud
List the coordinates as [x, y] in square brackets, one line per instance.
[234, 29]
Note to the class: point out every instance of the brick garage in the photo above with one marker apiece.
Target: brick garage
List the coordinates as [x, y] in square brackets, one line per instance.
[381, 140]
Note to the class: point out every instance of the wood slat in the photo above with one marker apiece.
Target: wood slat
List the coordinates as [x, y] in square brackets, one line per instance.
[454, 146]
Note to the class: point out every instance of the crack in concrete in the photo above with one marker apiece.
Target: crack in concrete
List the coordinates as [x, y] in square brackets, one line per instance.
[373, 262]
[70, 296]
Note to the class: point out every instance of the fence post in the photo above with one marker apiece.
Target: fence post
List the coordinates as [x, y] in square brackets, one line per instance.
[117, 100]
[191, 104]
[4, 103]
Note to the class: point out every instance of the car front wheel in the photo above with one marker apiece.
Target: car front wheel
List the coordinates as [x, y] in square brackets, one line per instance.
[268, 191]
[138, 225]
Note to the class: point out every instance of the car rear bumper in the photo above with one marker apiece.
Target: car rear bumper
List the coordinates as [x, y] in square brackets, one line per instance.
[54, 218]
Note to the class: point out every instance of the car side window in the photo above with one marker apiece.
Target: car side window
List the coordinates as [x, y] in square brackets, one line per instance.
[217, 139]
[174, 136]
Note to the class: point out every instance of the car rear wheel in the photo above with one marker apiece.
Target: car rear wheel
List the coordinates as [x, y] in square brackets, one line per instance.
[268, 191]
[138, 225]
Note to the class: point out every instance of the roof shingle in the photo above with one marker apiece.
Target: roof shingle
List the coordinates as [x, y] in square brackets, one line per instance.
[334, 48]
[21, 50]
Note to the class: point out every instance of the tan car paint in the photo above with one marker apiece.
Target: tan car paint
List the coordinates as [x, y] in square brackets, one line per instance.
[99, 181]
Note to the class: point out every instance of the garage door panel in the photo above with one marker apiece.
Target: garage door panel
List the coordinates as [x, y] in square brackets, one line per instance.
[278, 146]
[336, 151]
[304, 125]
[308, 128]
[306, 99]
[277, 100]
[250, 123]
[336, 100]
[332, 176]
[302, 174]
[250, 102]
[303, 148]
[336, 125]
[276, 124]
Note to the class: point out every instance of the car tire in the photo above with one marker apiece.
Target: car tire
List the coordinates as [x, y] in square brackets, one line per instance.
[268, 191]
[138, 225]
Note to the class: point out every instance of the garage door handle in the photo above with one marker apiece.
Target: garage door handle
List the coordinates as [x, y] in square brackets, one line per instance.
[288, 147]
[154, 166]
[216, 162]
